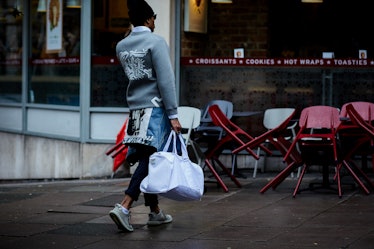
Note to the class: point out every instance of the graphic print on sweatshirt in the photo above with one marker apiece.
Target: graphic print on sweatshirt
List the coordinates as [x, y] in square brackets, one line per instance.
[134, 64]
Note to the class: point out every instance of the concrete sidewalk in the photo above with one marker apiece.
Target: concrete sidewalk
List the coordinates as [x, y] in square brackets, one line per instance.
[74, 214]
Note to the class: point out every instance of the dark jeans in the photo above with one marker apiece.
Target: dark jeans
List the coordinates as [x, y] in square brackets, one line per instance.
[134, 187]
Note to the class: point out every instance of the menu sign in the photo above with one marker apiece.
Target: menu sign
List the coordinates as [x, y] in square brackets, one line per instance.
[276, 62]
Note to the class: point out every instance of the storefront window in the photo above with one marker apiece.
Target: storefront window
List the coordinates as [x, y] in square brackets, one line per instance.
[55, 52]
[308, 29]
[110, 24]
[10, 51]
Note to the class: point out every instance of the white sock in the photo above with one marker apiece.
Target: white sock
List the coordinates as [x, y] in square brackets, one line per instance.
[125, 210]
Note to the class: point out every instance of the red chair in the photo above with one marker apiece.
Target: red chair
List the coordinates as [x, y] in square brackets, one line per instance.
[233, 136]
[293, 161]
[270, 134]
[349, 129]
[359, 141]
[277, 137]
[365, 109]
[273, 118]
[317, 142]
[119, 151]
[362, 121]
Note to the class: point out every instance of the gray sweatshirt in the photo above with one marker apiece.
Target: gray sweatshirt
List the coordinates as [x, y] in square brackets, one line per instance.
[145, 59]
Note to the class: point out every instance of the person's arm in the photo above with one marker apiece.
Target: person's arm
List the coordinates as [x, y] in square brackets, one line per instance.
[166, 82]
[165, 76]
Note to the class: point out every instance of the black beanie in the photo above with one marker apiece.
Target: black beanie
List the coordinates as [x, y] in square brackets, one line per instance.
[139, 11]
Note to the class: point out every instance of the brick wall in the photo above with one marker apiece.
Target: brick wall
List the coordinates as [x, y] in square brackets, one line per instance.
[243, 24]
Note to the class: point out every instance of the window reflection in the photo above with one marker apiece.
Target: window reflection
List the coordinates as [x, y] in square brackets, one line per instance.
[55, 51]
[110, 24]
[10, 51]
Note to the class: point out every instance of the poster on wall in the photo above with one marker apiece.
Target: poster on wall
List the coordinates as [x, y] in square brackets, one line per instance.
[54, 26]
[362, 53]
[195, 16]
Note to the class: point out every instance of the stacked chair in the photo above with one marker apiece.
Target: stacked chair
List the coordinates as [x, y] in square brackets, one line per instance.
[356, 135]
[207, 134]
[239, 140]
[329, 137]
[317, 141]
[273, 117]
[207, 130]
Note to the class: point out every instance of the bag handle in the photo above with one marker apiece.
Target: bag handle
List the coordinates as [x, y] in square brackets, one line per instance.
[167, 144]
[183, 147]
[173, 136]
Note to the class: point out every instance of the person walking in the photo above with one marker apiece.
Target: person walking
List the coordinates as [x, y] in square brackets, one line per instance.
[151, 97]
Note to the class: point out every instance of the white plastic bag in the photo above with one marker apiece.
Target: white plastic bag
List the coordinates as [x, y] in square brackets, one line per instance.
[174, 176]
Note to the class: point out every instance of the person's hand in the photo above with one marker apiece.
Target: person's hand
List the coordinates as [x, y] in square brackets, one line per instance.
[175, 125]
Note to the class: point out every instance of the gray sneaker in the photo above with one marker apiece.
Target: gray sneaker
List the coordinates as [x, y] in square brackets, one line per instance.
[121, 219]
[159, 219]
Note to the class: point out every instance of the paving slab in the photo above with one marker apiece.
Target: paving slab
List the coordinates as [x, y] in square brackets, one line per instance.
[74, 214]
